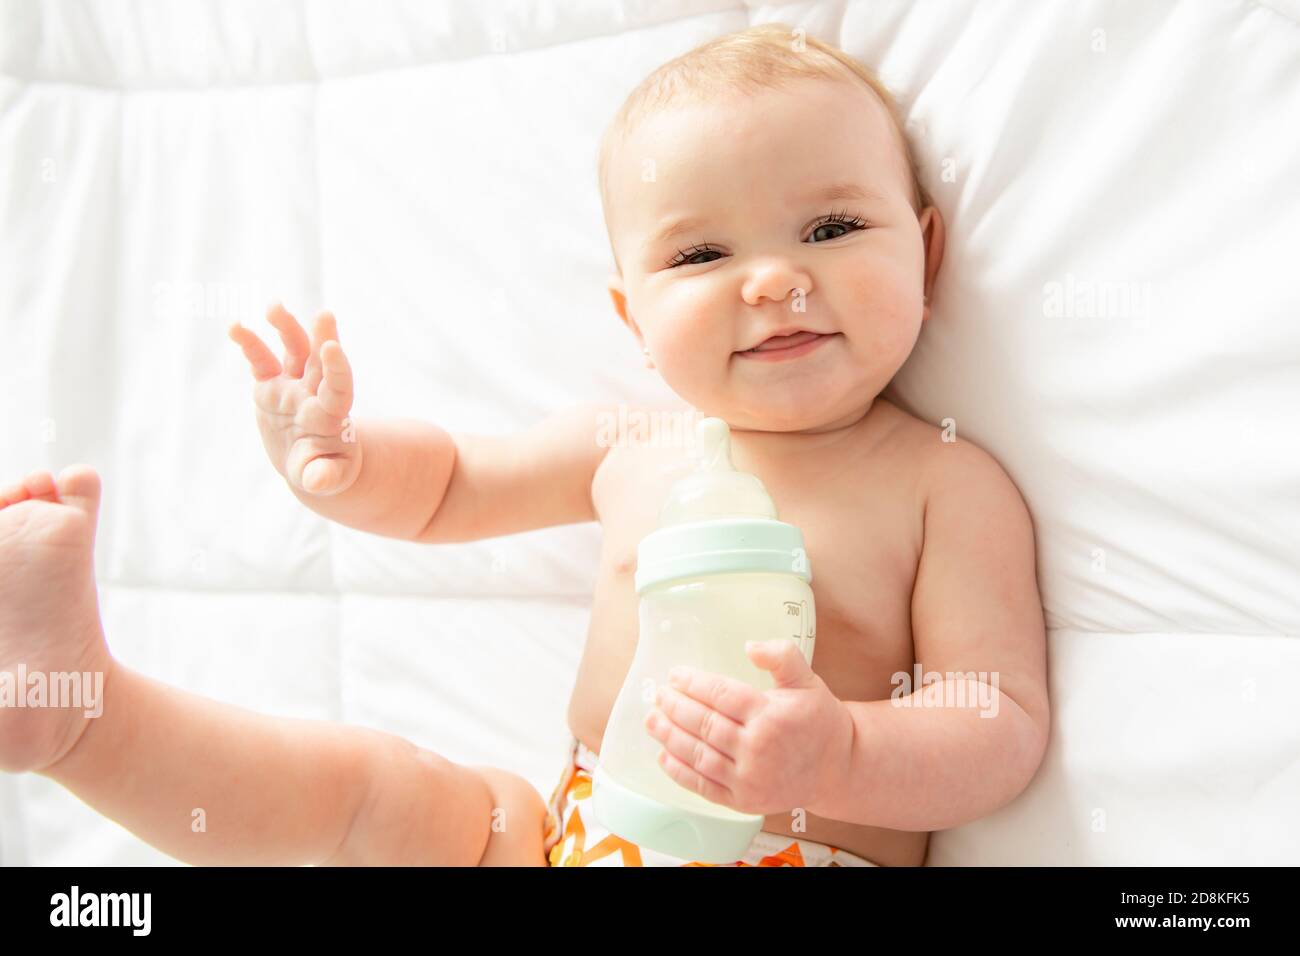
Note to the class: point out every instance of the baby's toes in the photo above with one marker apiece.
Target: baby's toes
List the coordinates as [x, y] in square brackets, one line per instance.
[40, 484]
[79, 486]
[11, 495]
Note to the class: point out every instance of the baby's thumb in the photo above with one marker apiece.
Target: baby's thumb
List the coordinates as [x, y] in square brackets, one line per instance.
[783, 659]
[322, 475]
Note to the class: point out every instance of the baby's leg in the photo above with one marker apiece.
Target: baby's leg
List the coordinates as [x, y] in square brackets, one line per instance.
[49, 613]
[204, 781]
[519, 821]
[420, 803]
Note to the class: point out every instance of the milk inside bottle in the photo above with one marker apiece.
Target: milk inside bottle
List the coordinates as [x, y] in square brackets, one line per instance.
[719, 570]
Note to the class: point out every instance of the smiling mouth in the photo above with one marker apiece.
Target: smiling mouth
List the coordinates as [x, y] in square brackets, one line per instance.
[780, 347]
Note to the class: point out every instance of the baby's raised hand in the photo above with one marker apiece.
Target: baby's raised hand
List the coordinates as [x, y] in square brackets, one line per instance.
[302, 406]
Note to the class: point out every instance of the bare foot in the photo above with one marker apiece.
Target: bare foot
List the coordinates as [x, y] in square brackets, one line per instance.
[49, 616]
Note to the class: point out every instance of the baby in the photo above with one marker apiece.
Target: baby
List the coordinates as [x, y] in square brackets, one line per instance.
[775, 254]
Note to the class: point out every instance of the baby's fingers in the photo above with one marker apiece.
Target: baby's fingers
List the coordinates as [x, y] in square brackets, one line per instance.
[324, 329]
[265, 365]
[296, 345]
[335, 392]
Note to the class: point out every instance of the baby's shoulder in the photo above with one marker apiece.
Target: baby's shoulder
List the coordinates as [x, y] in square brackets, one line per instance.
[961, 482]
[642, 442]
[948, 464]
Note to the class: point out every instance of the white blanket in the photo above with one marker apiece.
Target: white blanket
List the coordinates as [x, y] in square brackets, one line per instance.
[1116, 322]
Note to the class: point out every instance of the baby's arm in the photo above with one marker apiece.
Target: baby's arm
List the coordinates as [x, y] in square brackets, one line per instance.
[210, 783]
[404, 478]
[976, 612]
[421, 483]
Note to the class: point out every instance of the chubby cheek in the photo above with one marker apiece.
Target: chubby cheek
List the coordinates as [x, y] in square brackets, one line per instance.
[688, 329]
[691, 352]
[881, 311]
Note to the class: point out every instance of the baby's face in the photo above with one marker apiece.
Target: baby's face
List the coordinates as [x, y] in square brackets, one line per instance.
[729, 230]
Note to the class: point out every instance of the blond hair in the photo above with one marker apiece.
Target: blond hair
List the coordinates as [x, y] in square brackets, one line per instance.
[766, 56]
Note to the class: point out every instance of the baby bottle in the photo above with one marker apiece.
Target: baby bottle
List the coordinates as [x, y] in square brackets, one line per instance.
[719, 570]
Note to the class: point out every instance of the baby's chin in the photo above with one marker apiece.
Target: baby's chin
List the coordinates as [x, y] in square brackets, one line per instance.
[806, 424]
[826, 402]
[795, 414]
[817, 398]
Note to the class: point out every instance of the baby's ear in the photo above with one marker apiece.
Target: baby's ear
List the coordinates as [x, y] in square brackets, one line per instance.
[618, 294]
[932, 237]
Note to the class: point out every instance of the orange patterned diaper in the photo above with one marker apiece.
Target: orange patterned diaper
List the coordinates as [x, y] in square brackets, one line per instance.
[575, 838]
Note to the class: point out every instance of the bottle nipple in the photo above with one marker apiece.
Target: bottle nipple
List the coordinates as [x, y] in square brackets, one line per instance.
[715, 489]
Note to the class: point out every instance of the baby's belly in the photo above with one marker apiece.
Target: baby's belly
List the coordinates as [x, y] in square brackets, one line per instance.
[886, 847]
[589, 710]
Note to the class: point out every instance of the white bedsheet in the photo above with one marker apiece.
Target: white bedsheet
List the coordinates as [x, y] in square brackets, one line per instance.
[426, 170]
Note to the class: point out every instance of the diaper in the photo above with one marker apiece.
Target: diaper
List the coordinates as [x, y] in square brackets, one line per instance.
[575, 838]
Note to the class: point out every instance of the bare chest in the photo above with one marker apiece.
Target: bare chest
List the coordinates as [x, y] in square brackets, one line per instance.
[861, 523]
